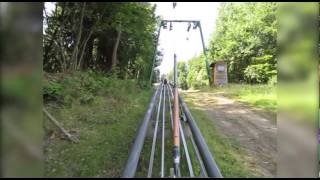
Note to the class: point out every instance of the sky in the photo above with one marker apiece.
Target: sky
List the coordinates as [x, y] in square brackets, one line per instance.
[176, 40]
[49, 8]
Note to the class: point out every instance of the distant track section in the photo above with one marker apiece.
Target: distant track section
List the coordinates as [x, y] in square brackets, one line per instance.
[162, 103]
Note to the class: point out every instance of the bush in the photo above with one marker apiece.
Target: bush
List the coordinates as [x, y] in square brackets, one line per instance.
[182, 75]
[273, 80]
[197, 74]
[52, 90]
[83, 87]
[259, 73]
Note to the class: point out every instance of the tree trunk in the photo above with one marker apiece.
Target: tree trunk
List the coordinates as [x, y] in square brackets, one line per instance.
[88, 59]
[115, 49]
[63, 59]
[83, 49]
[74, 58]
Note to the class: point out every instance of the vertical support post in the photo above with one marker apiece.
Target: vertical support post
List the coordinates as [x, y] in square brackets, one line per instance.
[205, 53]
[175, 74]
[176, 133]
[155, 52]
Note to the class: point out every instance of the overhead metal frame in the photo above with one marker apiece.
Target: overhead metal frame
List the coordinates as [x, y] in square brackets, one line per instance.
[163, 23]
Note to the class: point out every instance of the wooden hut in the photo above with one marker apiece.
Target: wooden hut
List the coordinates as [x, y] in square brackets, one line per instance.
[219, 73]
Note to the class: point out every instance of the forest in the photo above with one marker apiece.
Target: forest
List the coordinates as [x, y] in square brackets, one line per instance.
[112, 38]
[246, 38]
[119, 39]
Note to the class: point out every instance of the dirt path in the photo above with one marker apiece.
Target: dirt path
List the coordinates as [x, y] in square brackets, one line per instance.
[251, 129]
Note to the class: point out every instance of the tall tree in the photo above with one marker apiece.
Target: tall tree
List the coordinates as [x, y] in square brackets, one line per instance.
[103, 36]
[246, 38]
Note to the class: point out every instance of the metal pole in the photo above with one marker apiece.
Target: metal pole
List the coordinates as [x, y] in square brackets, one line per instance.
[205, 53]
[189, 163]
[175, 73]
[163, 129]
[170, 107]
[155, 52]
[202, 167]
[133, 159]
[154, 137]
[184, 142]
[176, 133]
[210, 164]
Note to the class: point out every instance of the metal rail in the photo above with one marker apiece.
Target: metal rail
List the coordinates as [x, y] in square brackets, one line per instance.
[210, 164]
[133, 160]
[154, 137]
[170, 95]
[163, 131]
[208, 167]
[203, 171]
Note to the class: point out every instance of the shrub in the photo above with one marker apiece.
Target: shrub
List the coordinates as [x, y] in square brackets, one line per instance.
[197, 74]
[52, 90]
[273, 80]
[83, 87]
[259, 73]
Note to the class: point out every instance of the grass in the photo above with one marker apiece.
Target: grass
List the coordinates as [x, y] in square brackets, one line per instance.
[105, 114]
[106, 127]
[260, 95]
[231, 160]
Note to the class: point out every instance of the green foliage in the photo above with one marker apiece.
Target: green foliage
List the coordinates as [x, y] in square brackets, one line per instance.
[273, 80]
[246, 38]
[83, 87]
[182, 75]
[114, 114]
[156, 77]
[170, 76]
[197, 73]
[259, 73]
[52, 90]
[65, 46]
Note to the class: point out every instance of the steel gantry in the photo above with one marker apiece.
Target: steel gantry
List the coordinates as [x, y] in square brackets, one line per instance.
[196, 24]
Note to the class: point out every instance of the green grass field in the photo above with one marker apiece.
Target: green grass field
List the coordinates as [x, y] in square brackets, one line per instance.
[106, 127]
[260, 95]
[105, 114]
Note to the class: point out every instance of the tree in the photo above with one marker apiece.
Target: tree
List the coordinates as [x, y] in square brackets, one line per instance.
[197, 73]
[156, 77]
[111, 37]
[182, 75]
[246, 38]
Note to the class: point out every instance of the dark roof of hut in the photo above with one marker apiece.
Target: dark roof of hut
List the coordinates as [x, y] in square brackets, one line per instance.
[213, 63]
